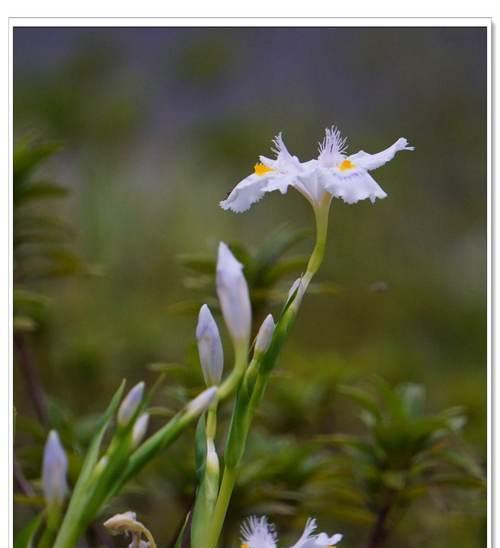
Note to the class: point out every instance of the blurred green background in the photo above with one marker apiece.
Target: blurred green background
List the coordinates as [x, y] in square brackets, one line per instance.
[156, 125]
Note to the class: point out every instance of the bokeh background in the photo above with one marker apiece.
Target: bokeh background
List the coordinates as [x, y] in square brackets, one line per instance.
[156, 125]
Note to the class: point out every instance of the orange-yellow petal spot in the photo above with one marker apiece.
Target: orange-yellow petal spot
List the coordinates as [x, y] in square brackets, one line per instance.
[245, 545]
[345, 165]
[260, 169]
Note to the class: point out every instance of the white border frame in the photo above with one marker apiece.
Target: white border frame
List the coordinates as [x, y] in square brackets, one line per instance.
[6, 393]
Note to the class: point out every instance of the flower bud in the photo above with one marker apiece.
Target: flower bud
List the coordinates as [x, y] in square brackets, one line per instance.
[121, 523]
[201, 402]
[296, 291]
[139, 430]
[212, 462]
[265, 335]
[130, 404]
[209, 347]
[234, 299]
[55, 467]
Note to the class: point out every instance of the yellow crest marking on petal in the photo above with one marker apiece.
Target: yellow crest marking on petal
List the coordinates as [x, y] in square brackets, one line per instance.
[245, 545]
[261, 169]
[345, 165]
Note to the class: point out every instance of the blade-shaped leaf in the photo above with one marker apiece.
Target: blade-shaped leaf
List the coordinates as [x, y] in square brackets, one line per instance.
[80, 492]
[25, 537]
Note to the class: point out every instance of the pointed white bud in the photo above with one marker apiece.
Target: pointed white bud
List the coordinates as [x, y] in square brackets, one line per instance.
[139, 430]
[296, 291]
[201, 402]
[209, 347]
[130, 403]
[265, 335]
[233, 295]
[54, 470]
[212, 463]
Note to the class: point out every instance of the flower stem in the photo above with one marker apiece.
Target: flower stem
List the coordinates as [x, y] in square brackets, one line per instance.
[219, 515]
[229, 477]
[53, 520]
[321, 213]
[233, 380]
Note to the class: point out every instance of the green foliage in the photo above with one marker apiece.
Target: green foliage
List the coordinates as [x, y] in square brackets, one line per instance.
[25, 537]
[406, 455]
[41, 244]
[264, 268]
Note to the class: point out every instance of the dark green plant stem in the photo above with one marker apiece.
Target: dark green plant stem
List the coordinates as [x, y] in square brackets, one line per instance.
[24, 485]
[31, 378]
[378, 534]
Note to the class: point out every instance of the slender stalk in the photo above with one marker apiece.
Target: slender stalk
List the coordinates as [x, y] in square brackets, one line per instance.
[31, 378]
[226, 490]
[212, 421]
[23, 484]
[378, 534]
[321, 214]
[54, 516]
[233, 379]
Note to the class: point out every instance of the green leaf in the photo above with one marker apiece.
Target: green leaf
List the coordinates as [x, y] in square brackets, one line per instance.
[461, 461]
[412, 398]
[272, 250]
[179, 543]
[284, 267]
[27, 155]
[361, 397]
[81, 491]
[200, 451]
[25, 537]
[39, 190]
[203, 264]
[461, 482]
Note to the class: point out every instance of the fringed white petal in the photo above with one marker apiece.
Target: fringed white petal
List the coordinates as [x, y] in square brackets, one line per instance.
[354, 186]
[332, 148]
[373, 161]
[258, 533]
[307, 540]
[247, 192]
[345, 178]
[324, 540]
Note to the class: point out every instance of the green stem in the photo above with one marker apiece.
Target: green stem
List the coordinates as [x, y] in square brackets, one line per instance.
[233, 379]
[54, 516]
[212, 421]
[321, 213]
[225, 492]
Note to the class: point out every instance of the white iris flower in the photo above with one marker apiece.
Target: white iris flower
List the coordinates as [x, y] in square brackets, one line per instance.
[259, 533]
[333, 173]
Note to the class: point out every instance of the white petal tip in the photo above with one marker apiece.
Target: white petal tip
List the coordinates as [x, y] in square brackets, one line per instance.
[202, 401]
[402, 144]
